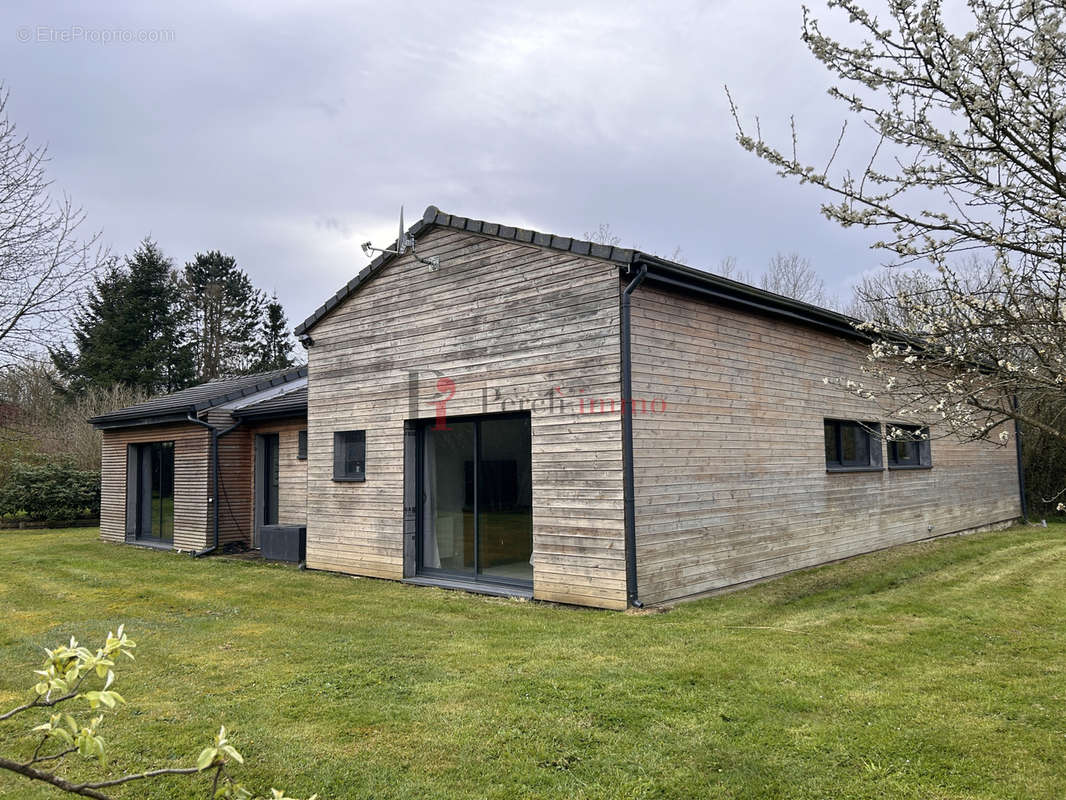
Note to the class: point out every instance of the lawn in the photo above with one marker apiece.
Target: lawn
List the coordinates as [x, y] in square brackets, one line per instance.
[930, 671]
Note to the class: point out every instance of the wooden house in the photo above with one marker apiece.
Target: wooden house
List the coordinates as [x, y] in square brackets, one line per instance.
[207, 466]
[513, 412]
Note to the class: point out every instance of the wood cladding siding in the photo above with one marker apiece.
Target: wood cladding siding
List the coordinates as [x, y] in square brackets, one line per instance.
[730, 482]
[236, 455]
[512, 325]
[235, 459]
[292, 471]
[191, 488]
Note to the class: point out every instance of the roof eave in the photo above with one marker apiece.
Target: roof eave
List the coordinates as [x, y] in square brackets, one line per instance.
[107, 424]
[130, 417]
[265, 416]
[706, 283]
[729, 292]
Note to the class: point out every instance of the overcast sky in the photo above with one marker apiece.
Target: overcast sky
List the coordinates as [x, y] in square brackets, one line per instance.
[287, 134]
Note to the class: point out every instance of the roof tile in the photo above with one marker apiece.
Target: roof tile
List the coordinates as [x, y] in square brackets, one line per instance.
[199, 398]
[712, 285]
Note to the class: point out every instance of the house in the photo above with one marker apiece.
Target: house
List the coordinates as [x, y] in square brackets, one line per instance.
[161, 458]
[514, 412]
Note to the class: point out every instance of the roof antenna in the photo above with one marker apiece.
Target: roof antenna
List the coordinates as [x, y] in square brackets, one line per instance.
[404, 242]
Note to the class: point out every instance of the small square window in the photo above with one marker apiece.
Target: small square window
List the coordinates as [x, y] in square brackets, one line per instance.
[908, 447]
[349, 456]
[851, 445]
[301, 445]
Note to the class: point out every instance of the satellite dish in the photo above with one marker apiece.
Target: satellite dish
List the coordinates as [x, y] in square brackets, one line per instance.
[404, 241]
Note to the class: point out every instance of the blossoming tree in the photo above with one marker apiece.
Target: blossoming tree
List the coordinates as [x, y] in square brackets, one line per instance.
[969, 125]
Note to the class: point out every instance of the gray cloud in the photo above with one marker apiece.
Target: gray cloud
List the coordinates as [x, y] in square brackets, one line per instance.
[286, 135]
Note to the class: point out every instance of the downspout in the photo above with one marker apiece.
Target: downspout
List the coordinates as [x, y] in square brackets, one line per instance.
[216, 434]
[1021, 465]
[628, 490]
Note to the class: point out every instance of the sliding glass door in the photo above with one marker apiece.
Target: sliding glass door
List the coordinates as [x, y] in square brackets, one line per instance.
[153, 490]
[476, 499]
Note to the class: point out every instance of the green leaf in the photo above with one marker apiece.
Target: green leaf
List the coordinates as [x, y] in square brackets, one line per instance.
[206, 758]
[232, 753]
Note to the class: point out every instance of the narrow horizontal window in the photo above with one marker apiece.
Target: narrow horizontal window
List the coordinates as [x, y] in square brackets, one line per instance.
[852, 445]
[349, 456]
[908, 447]
[301, 445]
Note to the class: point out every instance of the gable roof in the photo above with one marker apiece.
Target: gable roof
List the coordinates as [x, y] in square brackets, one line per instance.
[288, 404]
[668, 274]
[196, 399]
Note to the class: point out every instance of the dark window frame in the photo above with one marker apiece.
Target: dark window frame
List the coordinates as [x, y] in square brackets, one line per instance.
[269, 478]
[301, 445]
[418, 428]
[159, 454]
[871, 431]
[342, 440]
[923, 456]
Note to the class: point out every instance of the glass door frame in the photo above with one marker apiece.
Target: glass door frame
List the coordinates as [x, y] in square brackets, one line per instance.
[146, 452]
[266, 496]
[421, 426]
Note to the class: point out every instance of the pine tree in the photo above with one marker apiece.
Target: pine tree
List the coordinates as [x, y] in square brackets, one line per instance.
[128, 331]
[101, 335]
[154, 289]
[223, 310]
[275, 342]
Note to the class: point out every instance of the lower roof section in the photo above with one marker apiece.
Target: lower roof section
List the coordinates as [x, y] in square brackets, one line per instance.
[193, 401]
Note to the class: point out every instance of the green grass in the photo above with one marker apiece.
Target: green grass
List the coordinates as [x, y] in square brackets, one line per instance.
[930, 671]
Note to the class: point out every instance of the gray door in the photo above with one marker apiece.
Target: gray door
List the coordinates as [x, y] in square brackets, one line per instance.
[267, 482]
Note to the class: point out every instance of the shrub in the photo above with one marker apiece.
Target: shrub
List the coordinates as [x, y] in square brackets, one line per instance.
[50, 491]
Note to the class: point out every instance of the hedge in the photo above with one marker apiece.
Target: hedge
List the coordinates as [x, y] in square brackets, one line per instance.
[52, 491]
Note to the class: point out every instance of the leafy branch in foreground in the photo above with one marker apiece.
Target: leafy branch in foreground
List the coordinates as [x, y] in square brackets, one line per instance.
[73, 675]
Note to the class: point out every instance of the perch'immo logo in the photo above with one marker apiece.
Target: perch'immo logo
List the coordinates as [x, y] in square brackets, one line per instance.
[446, 390]
[501, 400]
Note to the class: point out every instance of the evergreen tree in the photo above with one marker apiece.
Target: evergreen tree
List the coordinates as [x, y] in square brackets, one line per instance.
[223, 310]
[154, 288]
[275, 342]
[100, 335]
[128, 331]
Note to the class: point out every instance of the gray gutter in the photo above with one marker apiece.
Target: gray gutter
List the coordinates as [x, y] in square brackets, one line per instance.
[263, 416]
[686, 279]
[134, 422]
[1019, 455]
[628, 480]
